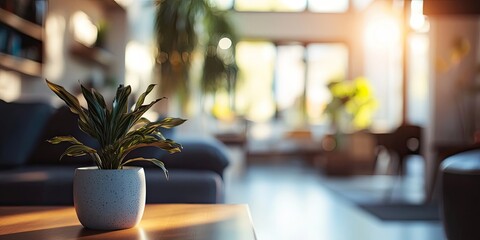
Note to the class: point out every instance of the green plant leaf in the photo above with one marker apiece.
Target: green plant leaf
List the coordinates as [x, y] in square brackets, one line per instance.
[167, 145]
[170, 122]
[152, 127]
[88, 130]
[69, 99]
[78, 150]
[152, 160]
[113, 128]
[60, 139]
[120, 103]
[141, 99]
[95, 109]
[138, 113]
[159, 135]
[142, 122]
[99, 99]
[119, 122]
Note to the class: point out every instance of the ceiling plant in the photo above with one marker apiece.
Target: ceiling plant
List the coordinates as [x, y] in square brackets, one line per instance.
[189, 29]
[103, 193]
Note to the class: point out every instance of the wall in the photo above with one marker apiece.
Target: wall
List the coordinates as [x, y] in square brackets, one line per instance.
[449, 84]
[451, 119]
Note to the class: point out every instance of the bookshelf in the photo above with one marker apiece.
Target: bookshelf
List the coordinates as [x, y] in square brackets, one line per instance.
[21, 36]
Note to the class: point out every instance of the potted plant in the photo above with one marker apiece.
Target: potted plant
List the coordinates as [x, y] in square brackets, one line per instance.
[111, 195]
[189, 30]
[350, 111]
[352, 105]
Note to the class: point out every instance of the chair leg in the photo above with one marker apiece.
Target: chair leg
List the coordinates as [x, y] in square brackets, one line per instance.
[401, 165]
[390, 193]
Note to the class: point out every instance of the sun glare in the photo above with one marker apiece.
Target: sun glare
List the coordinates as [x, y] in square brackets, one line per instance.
[382, 31]
[418, 21]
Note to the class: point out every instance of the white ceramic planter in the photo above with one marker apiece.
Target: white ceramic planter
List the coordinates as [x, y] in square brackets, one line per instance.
[109, 199]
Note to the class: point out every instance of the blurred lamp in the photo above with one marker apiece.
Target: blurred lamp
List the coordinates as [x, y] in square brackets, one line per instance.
[225, 43]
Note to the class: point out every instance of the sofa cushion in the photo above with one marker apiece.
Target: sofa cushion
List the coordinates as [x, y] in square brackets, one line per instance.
[53, 185]
[62, 123]
[21, 125]
[37, 185]
[199, 153]
[183, 186]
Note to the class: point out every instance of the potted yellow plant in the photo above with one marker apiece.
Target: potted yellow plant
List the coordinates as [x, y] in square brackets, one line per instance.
[352, 105]
[111, 195]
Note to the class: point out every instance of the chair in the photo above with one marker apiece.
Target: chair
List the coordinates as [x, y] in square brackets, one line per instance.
[400, 144]
[406, 140]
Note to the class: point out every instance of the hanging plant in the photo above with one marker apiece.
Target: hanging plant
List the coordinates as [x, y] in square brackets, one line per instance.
[185, 27]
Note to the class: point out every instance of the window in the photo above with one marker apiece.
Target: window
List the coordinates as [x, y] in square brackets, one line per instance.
[320, 6]
[270, 5]
[254, 97]
[326, 62]
[222, 4]
[383, 63]
[328, 6]
[418, 78]
[288, 81]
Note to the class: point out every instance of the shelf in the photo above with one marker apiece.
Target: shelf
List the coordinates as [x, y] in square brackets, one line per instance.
[92, 54]
[31, 29]
[21, 65]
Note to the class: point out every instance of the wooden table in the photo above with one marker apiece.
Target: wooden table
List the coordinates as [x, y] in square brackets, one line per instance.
[160, 221]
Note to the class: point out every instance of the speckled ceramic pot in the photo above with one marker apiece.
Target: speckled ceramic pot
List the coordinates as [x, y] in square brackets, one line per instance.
[109, 199]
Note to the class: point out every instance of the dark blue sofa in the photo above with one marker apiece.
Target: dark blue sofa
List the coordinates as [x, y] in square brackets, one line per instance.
[31, 173]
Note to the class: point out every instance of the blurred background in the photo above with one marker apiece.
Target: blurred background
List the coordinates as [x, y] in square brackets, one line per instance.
[333, 111]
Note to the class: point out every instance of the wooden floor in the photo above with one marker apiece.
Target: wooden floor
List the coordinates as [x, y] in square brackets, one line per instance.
[289, 200]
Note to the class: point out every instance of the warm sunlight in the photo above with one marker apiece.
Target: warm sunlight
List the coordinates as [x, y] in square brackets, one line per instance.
[55, 27]
[10, 86]
[382, 25]
[301, 119]
[290, 75]
[382, 30]
[254, 95]
[326, 6]
[382, 37]
[418, 78]
[270, 5]
[84, 31]
[138, 63]
[327, 62]
[418, 21]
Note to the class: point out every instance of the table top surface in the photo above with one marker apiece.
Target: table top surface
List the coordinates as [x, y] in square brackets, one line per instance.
[160, 221]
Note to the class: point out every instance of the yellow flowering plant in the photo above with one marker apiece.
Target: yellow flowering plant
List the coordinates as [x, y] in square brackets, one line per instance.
[353, 100]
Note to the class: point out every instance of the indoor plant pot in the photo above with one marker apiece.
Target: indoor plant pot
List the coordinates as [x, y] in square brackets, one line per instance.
[110, 195]
[109, 199]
